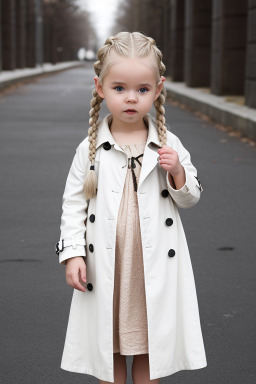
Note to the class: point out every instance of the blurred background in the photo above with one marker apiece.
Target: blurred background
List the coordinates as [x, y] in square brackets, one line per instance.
[206, 43]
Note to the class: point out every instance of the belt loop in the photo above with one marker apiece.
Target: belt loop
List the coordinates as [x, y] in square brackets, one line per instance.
[73, 242]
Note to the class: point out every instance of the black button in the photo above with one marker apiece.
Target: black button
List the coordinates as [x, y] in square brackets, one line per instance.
[89, 286]
[107, 145]
[169, 221]
[165, 192]
[171, 252]
[91, 248]
[92, 218]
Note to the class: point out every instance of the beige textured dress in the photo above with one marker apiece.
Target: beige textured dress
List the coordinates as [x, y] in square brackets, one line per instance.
[130, 334]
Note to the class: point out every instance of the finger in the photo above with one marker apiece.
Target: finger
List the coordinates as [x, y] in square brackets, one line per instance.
[165, 162]
[77, 284]
[168, 160]
[166, 167]
[165, 149]
[83, 273]
[171, 156]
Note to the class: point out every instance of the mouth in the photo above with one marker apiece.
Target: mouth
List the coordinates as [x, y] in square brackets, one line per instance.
[130, 111]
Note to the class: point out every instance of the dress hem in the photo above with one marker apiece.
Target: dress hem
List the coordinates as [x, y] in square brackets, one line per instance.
[143, 352]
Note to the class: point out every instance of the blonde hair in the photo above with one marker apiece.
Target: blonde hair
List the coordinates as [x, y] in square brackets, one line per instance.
[124, 44]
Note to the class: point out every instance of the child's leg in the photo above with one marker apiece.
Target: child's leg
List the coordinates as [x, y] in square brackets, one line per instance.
[120, 370]
[140, 370]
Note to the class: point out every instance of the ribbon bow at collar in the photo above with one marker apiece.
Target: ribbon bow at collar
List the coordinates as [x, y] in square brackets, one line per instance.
[132, 165]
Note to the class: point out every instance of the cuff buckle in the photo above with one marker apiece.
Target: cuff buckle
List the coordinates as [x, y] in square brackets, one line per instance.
[57, 246]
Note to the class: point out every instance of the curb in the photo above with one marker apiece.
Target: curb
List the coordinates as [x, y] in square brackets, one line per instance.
[8, 78]
[240, 117]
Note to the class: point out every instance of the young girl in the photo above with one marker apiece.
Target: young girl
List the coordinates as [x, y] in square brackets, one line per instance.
[122, 240]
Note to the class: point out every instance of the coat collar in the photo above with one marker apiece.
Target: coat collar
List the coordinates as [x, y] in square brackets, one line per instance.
[104, 133]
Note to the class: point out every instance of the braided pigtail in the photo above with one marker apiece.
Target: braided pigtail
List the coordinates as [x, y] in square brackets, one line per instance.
[159, 102]
[90, 183]
[160, 118]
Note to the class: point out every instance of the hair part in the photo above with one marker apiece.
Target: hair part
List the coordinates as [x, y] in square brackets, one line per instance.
[126, 44]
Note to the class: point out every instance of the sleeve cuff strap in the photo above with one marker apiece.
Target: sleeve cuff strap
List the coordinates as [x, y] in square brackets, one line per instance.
[70, 252]
[190, 189]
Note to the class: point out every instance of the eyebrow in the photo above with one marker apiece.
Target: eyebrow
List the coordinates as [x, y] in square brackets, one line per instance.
[141, 85]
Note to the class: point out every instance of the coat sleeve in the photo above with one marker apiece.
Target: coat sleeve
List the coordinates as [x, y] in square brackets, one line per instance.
[189, 194]
[74, 212]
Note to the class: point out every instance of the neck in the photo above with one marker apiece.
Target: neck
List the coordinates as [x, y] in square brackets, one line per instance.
[128, 132]
[122, 127]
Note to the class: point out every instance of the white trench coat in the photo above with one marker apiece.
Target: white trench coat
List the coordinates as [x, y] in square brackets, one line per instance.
[88, 229]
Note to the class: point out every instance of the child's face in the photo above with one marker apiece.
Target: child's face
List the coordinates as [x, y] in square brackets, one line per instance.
[129, 88]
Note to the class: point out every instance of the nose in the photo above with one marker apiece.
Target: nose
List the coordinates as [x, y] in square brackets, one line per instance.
[131, 97]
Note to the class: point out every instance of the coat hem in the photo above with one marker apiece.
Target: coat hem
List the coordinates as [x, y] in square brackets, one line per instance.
[85, 370]
[155, 374]
[179, 367]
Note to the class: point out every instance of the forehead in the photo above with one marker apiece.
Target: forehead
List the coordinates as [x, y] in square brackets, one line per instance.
[131, 69]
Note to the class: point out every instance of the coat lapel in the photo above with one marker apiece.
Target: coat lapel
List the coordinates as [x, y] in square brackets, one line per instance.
[149, 162]
[152, 145]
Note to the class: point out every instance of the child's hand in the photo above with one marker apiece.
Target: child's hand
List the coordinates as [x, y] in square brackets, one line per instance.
[76, 272]
[169, 160]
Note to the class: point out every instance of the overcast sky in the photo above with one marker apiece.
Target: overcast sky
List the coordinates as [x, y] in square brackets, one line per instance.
[103, 12]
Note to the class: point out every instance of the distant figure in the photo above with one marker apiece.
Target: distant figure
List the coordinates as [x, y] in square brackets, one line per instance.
[122, 239]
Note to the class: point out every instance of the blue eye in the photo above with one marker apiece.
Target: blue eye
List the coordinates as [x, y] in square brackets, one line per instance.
[143, 90]
[119, 88]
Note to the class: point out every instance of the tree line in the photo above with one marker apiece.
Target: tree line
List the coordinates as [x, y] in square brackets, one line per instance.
[66, 28]
[147, 16]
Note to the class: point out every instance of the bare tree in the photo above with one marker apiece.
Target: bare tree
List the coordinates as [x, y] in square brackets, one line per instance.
[66, 29]
[147, 16]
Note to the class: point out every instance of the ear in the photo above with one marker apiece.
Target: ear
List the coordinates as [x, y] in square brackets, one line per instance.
[98, 86]
[159, 87]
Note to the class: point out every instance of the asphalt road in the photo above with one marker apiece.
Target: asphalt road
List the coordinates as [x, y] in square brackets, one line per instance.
[41, 125]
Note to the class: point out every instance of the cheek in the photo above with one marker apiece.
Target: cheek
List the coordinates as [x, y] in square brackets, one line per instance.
[148, 99]
[112, 101]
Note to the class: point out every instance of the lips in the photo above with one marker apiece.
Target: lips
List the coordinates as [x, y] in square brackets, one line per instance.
[130, 110]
